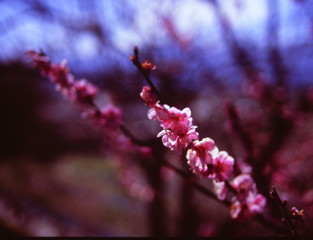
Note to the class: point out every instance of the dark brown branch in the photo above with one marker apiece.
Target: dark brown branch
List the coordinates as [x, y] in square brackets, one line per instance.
[145, 73]
[287, 217]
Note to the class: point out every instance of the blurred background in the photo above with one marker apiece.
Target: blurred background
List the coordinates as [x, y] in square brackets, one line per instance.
[221, 58]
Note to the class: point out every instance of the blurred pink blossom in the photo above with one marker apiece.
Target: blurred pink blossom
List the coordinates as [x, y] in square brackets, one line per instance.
[83, 92]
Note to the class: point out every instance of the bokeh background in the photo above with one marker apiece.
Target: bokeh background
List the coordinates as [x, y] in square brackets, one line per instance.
[59, 177]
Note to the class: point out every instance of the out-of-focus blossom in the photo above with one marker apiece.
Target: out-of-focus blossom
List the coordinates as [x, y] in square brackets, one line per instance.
[76, 91]
[83, 92]
[244, 184]
[40, 61]
[145, 152]
[220, 189]
[108, 118]
[247, 201]
[235, 209]
[60, 75]
[255, 203]
[111, 117]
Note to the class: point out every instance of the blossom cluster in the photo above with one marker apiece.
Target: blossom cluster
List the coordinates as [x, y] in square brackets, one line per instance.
[247, 201]
[203, 157]
[77, 91]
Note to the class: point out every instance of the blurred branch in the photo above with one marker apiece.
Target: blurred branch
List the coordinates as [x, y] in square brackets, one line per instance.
[287, 217]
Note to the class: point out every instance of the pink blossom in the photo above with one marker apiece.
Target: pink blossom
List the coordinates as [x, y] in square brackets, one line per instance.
[178, 131]
[220, 189]
[235, 209]
[178, 142]
[246, 209]
[247, 202]
[178, 121]
[223, 166]
[244, 184]
[60, 75]
[83, 92]
[159, 112]
[148, 96]
[255, 203]
[40, 61]
[57, 72]
[111, 117]
[200, 156]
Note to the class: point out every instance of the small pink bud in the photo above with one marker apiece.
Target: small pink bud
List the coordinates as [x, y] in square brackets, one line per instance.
[148, 96]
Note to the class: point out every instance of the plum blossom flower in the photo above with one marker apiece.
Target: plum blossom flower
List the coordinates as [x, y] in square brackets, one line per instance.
[60, 75]
[178, 121]
[220, 189]
[235, 209]
[178, 131]
[255, 203]
[200, 156]
[40, 61]
[247, 202]
[83, 92]
[178, 142]
[111, 117]
[244, 184]
[223, 166]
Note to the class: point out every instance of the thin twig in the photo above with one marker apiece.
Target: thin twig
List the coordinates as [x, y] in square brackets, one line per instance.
[144, 72]
[287, 218]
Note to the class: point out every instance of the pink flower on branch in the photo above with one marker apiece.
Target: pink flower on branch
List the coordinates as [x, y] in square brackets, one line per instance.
[220, 189]
[254, 204]
[178, 142]
[205, 159]
[80, 92]
[200, 156]
[83, 92]
[40, 61]
[247, 201]
[60, 75]
[223, 166]
[148, 96]
[178, 131]
[108, 118]
[244, 184]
